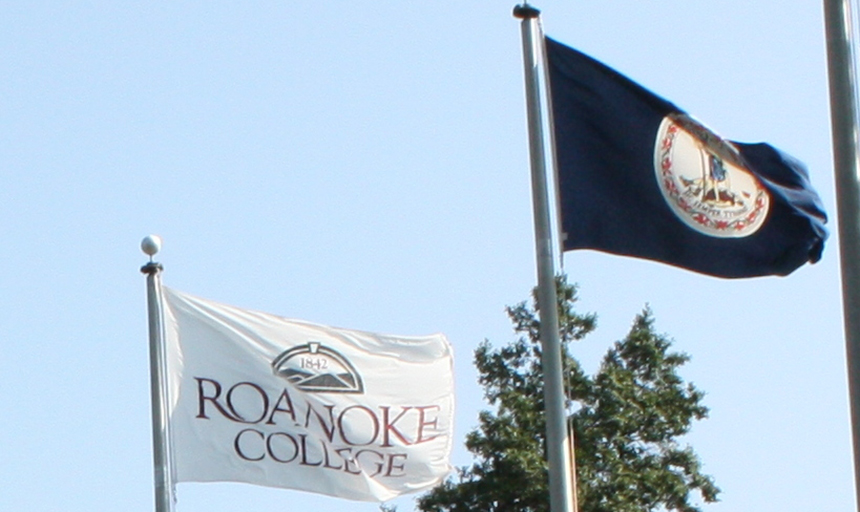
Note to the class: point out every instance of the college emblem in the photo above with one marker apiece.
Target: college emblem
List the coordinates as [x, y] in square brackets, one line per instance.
[316, 368]
[705, 182]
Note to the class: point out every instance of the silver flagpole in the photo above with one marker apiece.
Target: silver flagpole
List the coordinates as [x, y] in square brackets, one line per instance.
[157, 379]
[843, 119]
[561, 495]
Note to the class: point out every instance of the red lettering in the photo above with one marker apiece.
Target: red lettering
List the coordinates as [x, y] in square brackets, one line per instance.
[327, 463]
[237, 445]
[328, 429]
[304, 442]
[399, 467]
[285, 397]
[388, 426]
[259, 390]
[347, 460]
[422, 423]
[343, 431]
[379, 465]
[271, 449]
[202, 399]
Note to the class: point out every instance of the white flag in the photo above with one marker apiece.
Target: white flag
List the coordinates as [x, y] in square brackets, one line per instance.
[265, 400]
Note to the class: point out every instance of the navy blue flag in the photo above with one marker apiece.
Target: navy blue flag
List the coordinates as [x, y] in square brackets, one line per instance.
[639, 177]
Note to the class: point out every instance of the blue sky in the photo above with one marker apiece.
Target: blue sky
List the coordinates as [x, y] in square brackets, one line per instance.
[365, 165]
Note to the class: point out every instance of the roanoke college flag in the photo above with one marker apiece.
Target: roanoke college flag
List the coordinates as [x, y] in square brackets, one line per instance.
[265, 400]
[639, 177]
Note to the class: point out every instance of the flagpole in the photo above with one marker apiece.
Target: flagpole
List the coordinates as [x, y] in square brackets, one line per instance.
[157, 378]
[562, 498]
[843, 119]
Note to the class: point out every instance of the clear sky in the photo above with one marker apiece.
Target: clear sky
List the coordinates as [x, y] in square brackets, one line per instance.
[364, 165]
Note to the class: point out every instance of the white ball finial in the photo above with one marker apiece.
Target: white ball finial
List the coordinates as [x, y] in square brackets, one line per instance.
[150, 245]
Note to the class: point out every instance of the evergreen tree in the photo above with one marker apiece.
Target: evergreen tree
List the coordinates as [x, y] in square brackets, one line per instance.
[629, 418]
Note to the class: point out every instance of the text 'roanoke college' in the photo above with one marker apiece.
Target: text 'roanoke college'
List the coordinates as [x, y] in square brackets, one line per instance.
[288, 429]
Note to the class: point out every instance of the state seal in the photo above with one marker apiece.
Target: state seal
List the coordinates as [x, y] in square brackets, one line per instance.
[705, 181]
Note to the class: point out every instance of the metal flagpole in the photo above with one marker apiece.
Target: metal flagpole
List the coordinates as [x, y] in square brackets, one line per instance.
[561, 495]
[157, 379]
[843, 119]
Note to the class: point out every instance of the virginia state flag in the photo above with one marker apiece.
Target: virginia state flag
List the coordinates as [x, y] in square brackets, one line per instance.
[639, 177]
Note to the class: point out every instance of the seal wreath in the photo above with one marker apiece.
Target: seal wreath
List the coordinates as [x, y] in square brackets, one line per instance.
[705, 181]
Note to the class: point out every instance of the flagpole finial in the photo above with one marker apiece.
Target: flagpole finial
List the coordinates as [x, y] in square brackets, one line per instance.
[150, 245]
[526, 11]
